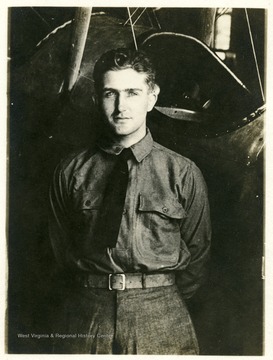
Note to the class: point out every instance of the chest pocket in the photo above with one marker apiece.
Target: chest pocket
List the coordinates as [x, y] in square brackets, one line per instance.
[160, 213]
[86, 209]
[158, 228]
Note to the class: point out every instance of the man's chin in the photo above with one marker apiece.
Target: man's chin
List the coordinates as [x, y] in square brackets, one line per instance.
[121, 131]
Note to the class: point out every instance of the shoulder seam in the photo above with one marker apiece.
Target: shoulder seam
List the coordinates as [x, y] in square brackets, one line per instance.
[172, 152]
[65, 162]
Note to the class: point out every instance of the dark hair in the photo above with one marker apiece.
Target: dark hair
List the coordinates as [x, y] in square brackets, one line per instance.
[123, 58]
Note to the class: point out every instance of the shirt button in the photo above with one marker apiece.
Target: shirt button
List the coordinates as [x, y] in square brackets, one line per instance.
[165, 209]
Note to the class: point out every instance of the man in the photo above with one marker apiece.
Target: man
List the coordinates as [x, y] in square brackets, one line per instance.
[123, 260]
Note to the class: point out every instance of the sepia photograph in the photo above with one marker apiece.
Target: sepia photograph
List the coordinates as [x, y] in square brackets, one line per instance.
[135, 180]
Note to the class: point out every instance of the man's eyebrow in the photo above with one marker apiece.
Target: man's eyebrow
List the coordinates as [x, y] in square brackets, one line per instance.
[133, 89]
[116, 90]
[108, 89]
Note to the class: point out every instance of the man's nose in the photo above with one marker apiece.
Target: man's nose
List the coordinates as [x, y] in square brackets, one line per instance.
[121, 102]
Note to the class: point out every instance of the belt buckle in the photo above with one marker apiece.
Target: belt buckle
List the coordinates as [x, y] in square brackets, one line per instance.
[110, 285]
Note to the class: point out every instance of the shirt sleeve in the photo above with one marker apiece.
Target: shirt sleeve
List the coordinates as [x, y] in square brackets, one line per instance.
[59, 216]
[195, 232]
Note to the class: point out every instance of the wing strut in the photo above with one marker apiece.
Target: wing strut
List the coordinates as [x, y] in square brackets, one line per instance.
[132, 28]
[254, 54]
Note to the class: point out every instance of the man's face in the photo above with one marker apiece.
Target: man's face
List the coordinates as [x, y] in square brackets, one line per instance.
[125, 101]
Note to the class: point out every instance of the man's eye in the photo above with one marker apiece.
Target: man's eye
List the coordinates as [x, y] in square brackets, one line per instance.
[132, 93]
[109, 94]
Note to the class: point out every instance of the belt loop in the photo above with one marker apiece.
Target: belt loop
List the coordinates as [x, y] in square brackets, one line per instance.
[143, 278]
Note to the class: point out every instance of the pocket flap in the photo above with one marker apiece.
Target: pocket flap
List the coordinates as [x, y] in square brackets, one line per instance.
[169, 207]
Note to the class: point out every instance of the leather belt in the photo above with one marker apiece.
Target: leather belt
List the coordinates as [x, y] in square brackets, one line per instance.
[126, 280]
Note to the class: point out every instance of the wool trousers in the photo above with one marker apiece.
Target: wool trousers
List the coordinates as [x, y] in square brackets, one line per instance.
[132, 321]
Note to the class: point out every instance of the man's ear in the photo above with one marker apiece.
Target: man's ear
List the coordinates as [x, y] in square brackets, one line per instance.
[152, 97]
[95, 100]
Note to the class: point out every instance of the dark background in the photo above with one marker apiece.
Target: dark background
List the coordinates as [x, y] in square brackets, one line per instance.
[228, 309]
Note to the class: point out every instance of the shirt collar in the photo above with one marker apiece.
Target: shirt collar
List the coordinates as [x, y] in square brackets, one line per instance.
[140, 150]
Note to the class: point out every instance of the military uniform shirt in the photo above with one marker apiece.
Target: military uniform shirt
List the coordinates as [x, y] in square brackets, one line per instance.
[165, 224]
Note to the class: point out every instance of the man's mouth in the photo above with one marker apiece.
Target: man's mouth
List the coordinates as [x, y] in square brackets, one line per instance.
[118, 118]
